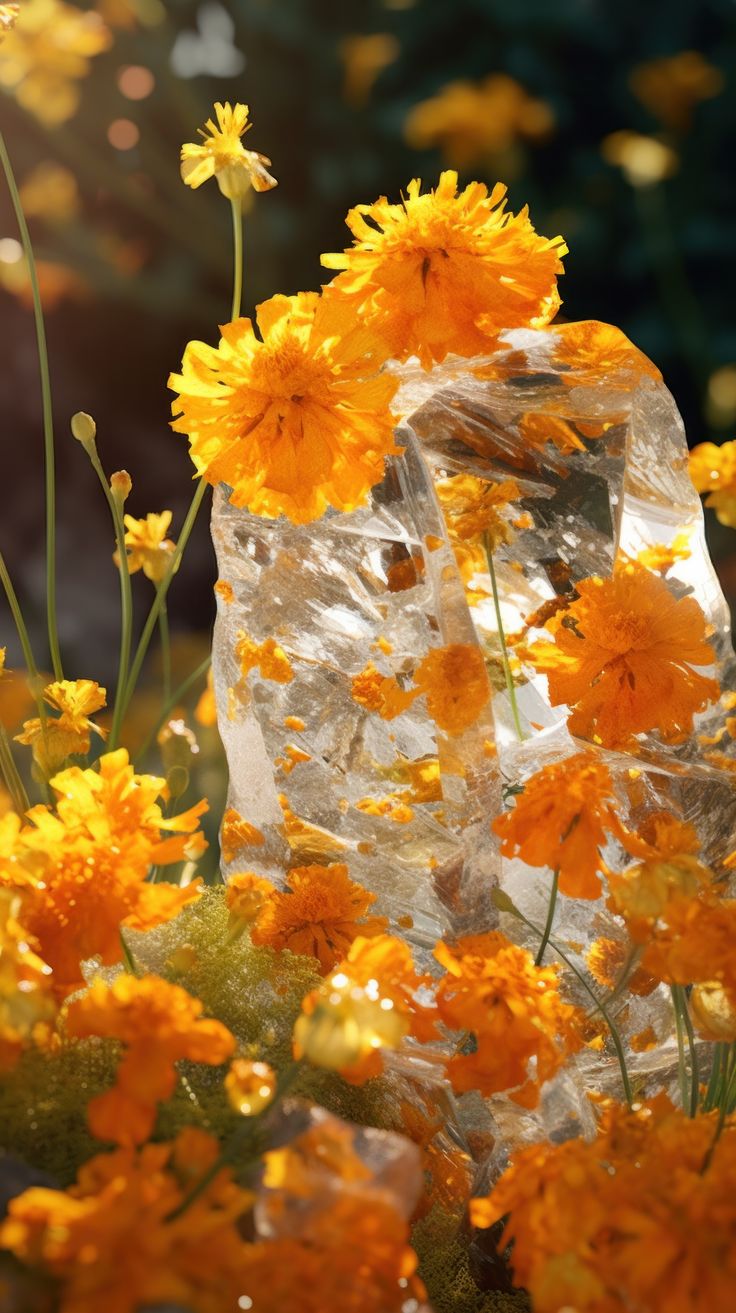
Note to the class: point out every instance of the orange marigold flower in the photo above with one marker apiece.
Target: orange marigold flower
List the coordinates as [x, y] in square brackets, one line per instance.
[623, 656]
[656, 1229]
[222, 155]
[147, 547]
[696, 944]
[643, 893]
[587, 350]
[83, 866]
[27, 1007]
[68, 734]
[713, 470]
[456, 686]
[561, 820]
[672, 85]
[294, 422]
[472, 507]
[111, 1241]
[446, 271]
[381, 693]
[269, 657]
[158, 1024]
[606, 959]
[321, 917]
[471, 120]
[513, 1008]
[245, 895]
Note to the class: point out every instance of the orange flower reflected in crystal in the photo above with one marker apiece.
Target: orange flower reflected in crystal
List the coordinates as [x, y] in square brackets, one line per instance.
[622, 658]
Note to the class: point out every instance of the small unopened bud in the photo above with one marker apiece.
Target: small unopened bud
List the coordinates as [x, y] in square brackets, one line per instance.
[120, 485]
[182, 959]
[177, 781]
[84, 428]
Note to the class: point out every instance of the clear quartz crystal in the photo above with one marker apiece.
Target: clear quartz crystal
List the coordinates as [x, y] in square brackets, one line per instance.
[600, 459]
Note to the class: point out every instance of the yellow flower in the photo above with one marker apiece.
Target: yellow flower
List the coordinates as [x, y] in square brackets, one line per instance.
[67, 735]
[50, 192]
[364, 59]
[446, 272]
[471, 120]
[713, 470]
[295, 422]
[147, 546]
[671, 86]
[26, 999]
[472, 507]
[345, 1022]
[47, 54]
[642, 160]
[222, 155]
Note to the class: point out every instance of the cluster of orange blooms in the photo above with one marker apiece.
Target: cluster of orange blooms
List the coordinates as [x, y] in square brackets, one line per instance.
[294, 415]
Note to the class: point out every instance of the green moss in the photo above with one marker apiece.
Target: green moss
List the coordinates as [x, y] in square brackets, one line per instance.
[443, 1266]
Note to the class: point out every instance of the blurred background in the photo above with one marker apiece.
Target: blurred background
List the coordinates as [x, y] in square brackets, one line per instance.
[614, 121]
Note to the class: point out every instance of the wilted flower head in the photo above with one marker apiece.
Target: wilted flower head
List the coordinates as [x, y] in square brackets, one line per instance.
[221, 155]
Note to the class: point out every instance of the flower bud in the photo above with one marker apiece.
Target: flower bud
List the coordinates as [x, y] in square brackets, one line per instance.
[177, 781]
[346, 1023]
[250, 1086]
[120, 486]
[713, 1012]
[84, 428]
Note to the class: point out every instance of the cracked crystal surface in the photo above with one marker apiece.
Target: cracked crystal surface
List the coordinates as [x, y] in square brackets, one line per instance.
[597, 450]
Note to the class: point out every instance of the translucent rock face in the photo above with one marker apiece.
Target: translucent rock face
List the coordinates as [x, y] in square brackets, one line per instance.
[584, 427]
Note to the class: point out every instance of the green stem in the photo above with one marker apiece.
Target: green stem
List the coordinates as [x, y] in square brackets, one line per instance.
[126, 596]
[25, 642]
[694, 1071]
[502, 640]
[128, 959]
[176, 697]
[729, 1092]
[248, 1131]
[48, 419]
[237, 208]
[682, 1071]
[550, 918]
[599, 1006]
[161, 592]
[163, 625]
[711, 1094]
[13, 782]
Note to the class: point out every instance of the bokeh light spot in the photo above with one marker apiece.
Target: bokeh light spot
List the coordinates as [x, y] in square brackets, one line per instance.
[123, 134]
[11, 251]
[136, 82]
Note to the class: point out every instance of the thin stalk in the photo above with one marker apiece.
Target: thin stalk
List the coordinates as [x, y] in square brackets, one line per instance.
[237, 208]
[247, 1131]
[627, 971]
[550, 918]
[694, 1072]
[13, 781]
[682, 1072]
[710, 1099]
[25, 642]
[176, 697]
[163, 626]
[48, 419]
[128, 959]
[126, 596]
[161, 592]
[502, 640]
[599, 1006]
[729, 1092]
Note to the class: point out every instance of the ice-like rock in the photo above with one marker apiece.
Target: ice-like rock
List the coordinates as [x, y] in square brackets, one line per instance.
[599, 456]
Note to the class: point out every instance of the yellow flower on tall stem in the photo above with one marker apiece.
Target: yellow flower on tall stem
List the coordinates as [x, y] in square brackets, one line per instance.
[446, 271]
[294, 421]
[148, 548]
[222, 155]
[56, 738]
